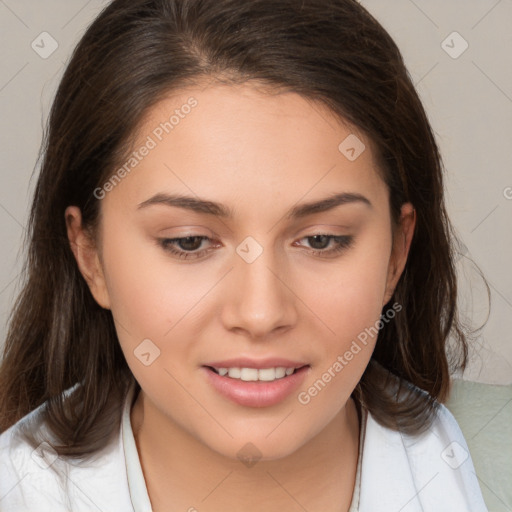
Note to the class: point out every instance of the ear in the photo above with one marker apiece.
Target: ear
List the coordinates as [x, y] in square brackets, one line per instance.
[402, 239]
[86, 255]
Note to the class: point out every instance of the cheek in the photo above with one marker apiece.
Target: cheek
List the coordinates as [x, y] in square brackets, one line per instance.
[350, 304]
[350, 296]
[152, 298]
[138, 289]
[145, 305]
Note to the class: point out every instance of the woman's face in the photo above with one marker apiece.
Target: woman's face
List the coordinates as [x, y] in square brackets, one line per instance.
[266, 280]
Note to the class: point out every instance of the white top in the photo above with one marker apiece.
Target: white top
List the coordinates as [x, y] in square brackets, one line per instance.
[428, 473]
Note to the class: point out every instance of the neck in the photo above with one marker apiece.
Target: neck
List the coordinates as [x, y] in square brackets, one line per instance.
[184, 474]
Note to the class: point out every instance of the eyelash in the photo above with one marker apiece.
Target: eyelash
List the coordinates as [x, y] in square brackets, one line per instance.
[343, 242]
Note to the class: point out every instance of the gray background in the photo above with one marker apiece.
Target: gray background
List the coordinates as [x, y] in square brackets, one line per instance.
[468, 97]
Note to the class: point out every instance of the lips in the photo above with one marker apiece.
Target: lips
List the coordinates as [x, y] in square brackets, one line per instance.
[256, 383]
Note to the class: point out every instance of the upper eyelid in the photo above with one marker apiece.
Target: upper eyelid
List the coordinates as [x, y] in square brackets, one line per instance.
[311, 230]
[214, 238]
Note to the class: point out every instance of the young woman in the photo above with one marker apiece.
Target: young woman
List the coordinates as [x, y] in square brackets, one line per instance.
[240, 280]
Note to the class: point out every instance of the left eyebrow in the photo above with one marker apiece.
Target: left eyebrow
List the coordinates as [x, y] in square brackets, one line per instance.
[219, 210]
[305, 209]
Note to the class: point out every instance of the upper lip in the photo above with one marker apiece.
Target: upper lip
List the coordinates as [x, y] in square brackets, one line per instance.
[244, 362]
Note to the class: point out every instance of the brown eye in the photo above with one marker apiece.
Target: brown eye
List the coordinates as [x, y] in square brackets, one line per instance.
[320, 242]
[185, 247]
[190, 243]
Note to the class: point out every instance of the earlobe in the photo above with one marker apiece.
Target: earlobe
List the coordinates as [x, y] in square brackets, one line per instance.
[401, 245]
[86, 256]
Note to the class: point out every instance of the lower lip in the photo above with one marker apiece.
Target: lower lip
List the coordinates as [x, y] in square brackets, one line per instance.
[256, 393]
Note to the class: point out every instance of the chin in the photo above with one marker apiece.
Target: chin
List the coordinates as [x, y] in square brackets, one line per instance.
[257, 448]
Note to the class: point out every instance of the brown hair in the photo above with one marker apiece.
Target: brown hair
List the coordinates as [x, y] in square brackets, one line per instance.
[135, 53]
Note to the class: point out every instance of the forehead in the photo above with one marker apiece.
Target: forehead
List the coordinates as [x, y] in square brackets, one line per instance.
[220, 141]
[236, 109]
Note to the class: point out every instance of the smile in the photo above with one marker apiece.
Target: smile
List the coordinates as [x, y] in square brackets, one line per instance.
[255, 374]
[256, 387]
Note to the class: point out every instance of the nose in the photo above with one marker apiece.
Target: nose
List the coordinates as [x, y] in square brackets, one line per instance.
[259, 300]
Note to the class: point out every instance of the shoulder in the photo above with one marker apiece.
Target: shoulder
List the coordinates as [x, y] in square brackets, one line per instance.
[35, 477]
[21, 466]
[432, 471]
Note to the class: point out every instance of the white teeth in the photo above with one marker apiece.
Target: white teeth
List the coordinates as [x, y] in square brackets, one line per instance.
[268, 374]
[248, 374]
[281, 371]
[254, 374]
[234, 373]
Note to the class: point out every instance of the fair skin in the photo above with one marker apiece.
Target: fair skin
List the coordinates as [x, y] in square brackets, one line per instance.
[259, 155]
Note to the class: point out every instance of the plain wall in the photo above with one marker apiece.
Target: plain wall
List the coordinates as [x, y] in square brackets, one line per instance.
[467, 95]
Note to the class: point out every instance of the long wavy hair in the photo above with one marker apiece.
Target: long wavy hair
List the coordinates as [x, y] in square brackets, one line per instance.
[132, 55]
